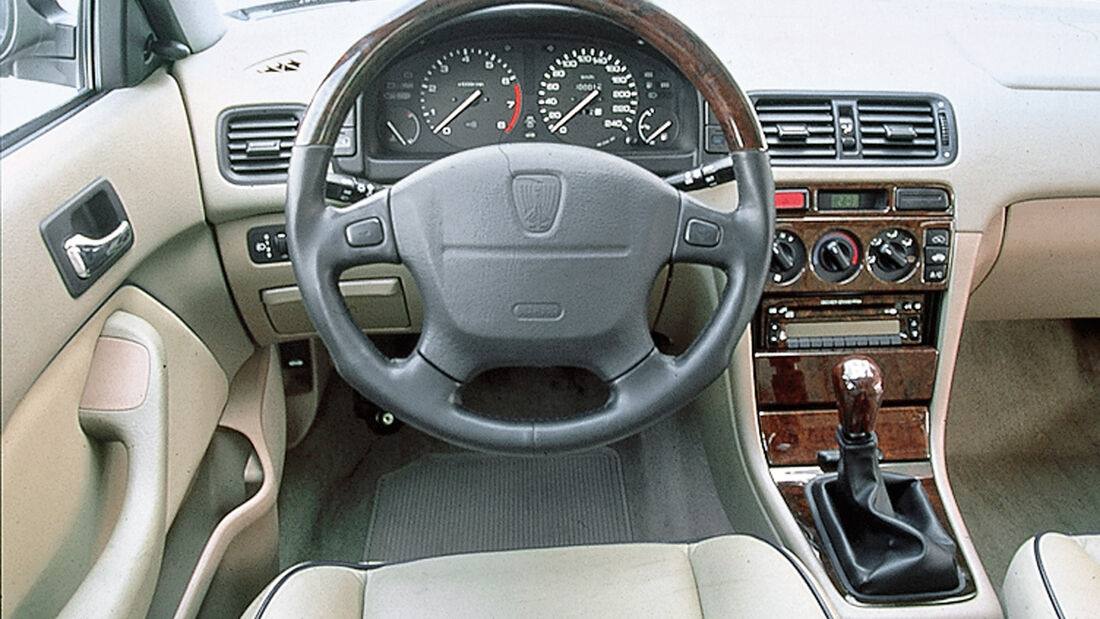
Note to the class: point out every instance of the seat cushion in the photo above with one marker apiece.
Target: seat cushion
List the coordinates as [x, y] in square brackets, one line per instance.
[724, 576]
[1054, 575]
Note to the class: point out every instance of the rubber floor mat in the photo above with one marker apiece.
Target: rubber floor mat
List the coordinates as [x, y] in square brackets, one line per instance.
[466, 502]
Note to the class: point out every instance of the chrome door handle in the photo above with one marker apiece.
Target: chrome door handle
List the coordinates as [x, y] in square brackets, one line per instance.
[86, 255]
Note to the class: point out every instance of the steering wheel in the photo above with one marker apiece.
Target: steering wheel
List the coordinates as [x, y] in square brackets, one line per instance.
[530, 254]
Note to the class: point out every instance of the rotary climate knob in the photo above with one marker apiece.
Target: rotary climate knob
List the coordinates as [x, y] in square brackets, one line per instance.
[788, 258]
[836, 256]
[892, 255]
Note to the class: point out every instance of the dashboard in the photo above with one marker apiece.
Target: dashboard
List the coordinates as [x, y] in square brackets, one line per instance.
[887, 257]
[493, 78]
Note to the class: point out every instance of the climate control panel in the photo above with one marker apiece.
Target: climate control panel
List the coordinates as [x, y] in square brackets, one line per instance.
[860, 255]
[825, 242]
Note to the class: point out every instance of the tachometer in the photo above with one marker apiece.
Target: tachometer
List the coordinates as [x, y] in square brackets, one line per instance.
[587, 96]
[469, 97]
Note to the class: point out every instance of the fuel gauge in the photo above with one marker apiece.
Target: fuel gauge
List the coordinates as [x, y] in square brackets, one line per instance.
[656, 126]
[399, 127]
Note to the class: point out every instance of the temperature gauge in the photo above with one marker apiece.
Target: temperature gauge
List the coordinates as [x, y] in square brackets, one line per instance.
[399, 128]
[656, 126]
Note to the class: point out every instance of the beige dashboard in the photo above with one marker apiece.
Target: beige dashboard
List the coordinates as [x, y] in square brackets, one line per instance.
[1020, 139]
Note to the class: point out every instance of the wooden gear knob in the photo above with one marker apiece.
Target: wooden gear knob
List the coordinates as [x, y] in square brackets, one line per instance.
[857, 381]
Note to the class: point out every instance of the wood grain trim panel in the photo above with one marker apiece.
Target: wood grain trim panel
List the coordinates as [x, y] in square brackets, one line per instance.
[803, 378]
[794, 438]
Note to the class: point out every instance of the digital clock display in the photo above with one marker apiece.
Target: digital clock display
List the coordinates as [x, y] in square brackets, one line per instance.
[846, 201]
[873, 200]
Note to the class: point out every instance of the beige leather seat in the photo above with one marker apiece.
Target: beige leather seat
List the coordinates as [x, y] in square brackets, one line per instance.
[729, 576]
[1054, 575]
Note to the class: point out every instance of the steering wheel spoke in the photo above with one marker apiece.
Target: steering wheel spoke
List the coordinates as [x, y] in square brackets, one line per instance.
[704, 235]
[361, 233]
[731, 241]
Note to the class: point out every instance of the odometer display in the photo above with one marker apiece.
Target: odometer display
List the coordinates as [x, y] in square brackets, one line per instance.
[470, 97]
[588, 97]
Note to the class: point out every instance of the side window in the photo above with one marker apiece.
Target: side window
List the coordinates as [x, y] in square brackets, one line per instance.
[42, 58]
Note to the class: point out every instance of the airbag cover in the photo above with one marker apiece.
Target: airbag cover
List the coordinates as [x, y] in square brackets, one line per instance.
[539, 254]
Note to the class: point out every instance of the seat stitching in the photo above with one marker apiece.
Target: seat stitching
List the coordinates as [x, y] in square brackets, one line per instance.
[1043, 575]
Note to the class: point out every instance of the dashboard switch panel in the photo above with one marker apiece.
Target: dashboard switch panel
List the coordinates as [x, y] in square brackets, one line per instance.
[267, 244]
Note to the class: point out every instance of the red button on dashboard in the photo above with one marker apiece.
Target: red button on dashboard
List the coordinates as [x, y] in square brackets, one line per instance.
[796, 200]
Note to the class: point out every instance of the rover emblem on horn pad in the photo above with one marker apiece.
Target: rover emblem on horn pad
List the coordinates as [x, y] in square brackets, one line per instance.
[537, 200]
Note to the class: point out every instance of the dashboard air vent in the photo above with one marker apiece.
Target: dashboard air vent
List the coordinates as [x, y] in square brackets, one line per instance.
[798, 128]
[898, 129]
[813, 128]
[254, 142]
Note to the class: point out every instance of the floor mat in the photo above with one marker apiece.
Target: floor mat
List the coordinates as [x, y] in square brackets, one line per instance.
[468, 502]
[1023, 433]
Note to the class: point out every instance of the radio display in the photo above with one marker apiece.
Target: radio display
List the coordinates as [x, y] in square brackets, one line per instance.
[843, 328]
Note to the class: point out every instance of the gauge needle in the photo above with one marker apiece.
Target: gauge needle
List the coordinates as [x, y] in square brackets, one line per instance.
[396, 133]
[653, 136]
[458, 110]
[576, 110]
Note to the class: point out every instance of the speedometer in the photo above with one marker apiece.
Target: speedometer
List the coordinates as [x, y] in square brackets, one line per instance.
[587, 96]
[470, 97]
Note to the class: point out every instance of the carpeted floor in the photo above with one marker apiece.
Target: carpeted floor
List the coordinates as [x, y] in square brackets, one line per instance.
[482, 502]
[1023, 433]
[331, 478]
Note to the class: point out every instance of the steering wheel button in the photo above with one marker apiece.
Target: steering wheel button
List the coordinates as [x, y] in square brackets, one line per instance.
[366, 233]
[702, 233]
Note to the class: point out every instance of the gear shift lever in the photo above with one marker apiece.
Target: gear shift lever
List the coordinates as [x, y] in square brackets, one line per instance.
[857, 381]
[877, 528]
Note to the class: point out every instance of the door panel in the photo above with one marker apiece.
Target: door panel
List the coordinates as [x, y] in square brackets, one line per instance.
[62, 491]
[138, 140]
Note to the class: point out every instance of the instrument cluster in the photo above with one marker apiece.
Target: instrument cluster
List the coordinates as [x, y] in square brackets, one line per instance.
[451, 94]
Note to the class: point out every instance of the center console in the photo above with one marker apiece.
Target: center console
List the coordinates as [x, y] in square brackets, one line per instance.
[856, 269]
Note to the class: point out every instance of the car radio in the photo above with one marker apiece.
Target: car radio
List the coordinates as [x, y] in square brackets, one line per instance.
[822, 323]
